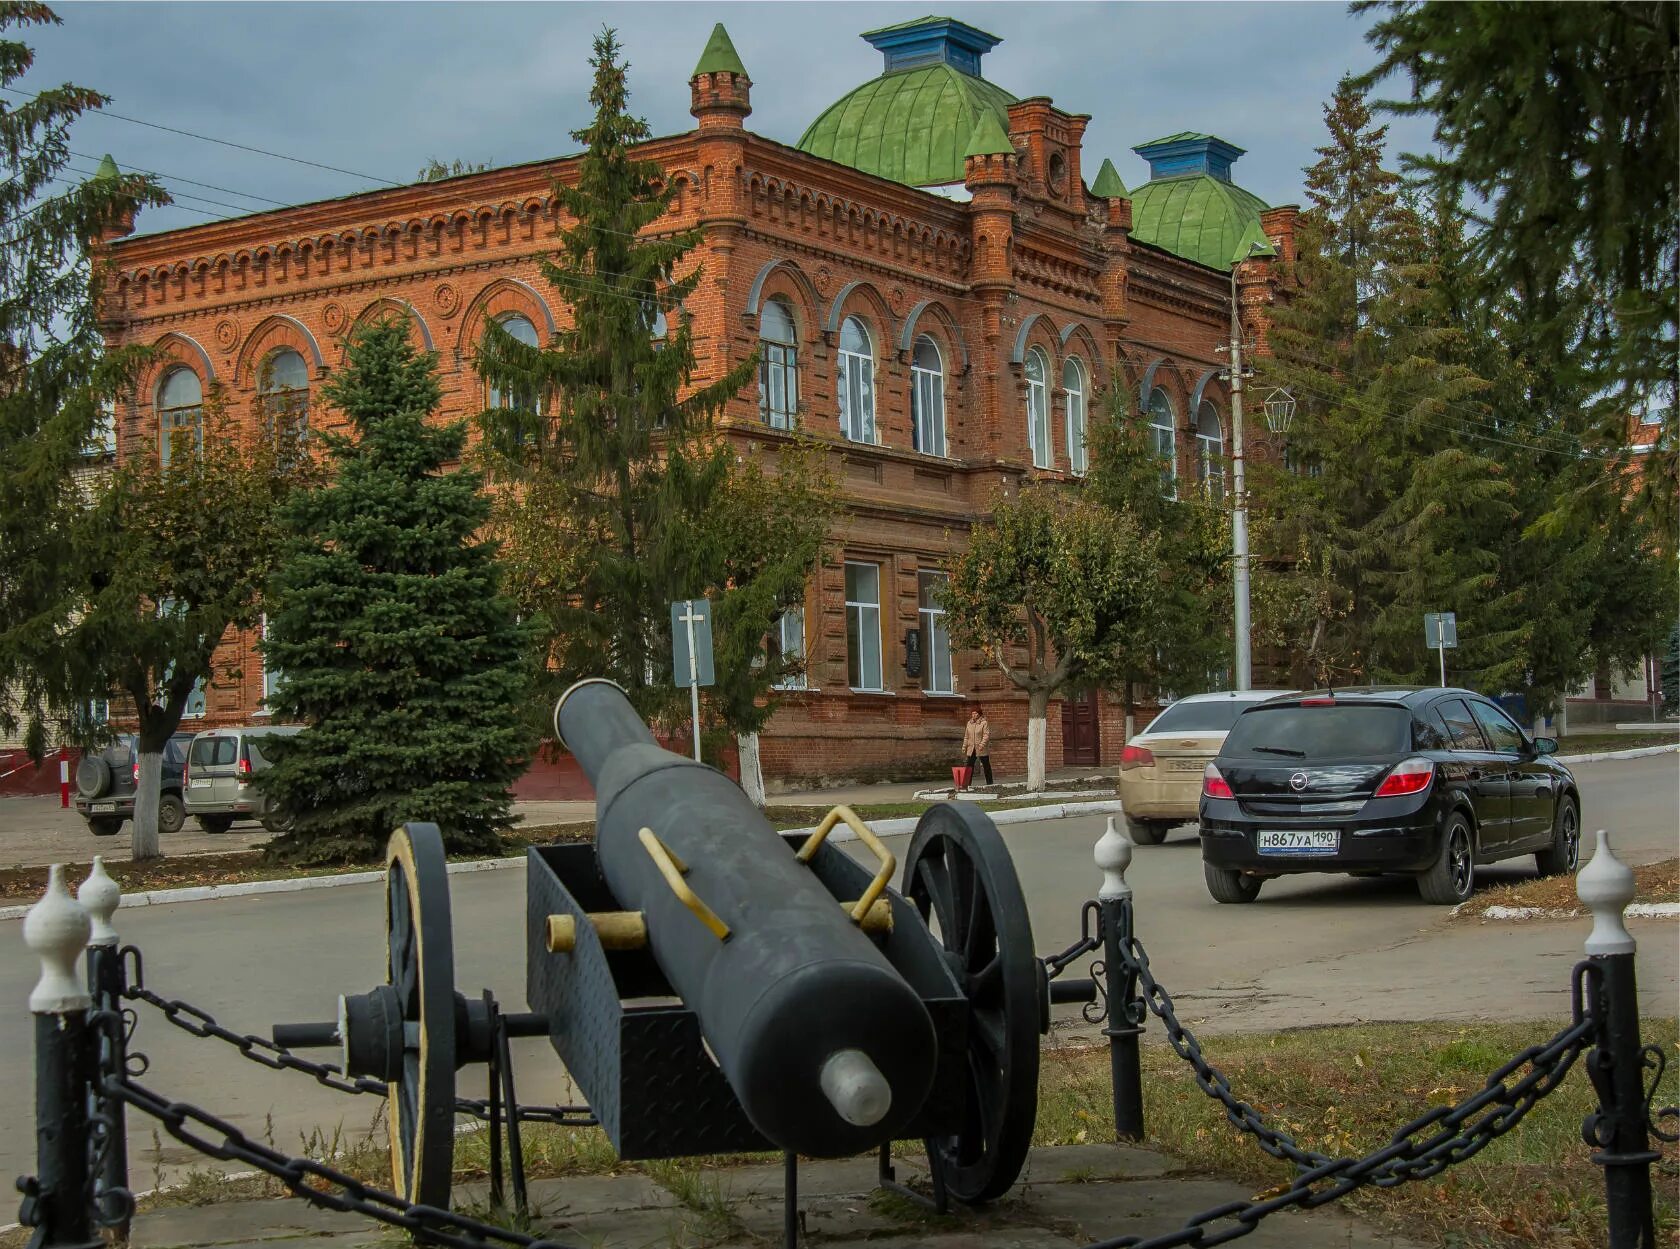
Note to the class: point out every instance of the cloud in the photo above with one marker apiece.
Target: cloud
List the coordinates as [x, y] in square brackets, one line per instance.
[378, 89]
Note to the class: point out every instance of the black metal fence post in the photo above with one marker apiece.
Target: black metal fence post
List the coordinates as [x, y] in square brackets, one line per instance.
[1618, 1130]
[100, 896]
[57, 1197]
[1123, 1024]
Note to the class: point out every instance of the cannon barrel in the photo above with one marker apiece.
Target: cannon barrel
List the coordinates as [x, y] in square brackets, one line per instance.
[829, 1050]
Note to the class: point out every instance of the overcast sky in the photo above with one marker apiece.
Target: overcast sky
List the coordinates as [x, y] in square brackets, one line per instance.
[376, 89]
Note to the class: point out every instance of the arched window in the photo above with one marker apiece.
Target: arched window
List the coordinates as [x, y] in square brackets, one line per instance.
[1038, 408]
[778, 366]
[1073, 383]
[1210, 451]
[180, 406]
[283, 396]
[857, 382]
[1163, 432]
[517, 398]
[927, 397]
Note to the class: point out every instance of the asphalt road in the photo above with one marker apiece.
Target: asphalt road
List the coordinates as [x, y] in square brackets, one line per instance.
[1313, 950]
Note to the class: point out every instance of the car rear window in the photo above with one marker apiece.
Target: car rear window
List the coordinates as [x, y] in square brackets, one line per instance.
[1339, 731]
[1216, 715]
[212, 751]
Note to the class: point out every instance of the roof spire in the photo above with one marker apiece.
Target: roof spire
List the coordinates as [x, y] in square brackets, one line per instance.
[719, 56]
[107, 169]
[1252, 244]
[1108, 184]
[988, 138]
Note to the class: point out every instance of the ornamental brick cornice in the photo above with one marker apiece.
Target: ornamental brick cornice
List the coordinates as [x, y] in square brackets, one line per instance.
[854, 224]
[796, 246]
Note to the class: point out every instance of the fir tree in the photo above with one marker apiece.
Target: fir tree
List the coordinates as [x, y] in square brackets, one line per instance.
[620, 497]
[55, 376]
[1563, 120]
[397, 648]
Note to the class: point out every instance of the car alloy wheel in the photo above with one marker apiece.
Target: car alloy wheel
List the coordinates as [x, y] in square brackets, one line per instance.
[1453, 875]
[1458, 853]
[1563, 856]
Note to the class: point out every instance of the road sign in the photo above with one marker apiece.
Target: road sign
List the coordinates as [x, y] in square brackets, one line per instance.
[691, 633]
[1440, 630]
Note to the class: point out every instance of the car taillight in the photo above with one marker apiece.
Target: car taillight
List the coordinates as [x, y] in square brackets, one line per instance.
[137, 771]
[1409, 777]
[244, 771]
[186, 771]
[1136, 757]
[1318, 702]
[1214, 785]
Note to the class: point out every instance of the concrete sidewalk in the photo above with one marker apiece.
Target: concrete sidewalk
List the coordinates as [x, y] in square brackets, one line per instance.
[1067, 1196]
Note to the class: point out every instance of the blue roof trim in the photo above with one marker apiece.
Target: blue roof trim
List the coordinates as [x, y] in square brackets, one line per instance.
[930, 42]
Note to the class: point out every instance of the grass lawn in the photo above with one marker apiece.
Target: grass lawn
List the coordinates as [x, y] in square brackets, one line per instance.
[1339, 1091]
[1598, 743]
[26, 884]
[1654, 882]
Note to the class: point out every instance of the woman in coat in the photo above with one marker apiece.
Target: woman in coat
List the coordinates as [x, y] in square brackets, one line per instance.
[977, 737]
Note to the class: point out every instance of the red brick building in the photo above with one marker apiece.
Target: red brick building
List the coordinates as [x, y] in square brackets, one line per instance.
[941, 289]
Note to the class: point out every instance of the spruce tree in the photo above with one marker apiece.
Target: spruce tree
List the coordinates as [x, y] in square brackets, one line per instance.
[55, 374]
[620, 495]
[398, 650]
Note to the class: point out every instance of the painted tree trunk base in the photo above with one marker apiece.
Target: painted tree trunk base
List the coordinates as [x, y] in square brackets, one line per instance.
[144, 842]
[752, 774]
[1036, 715]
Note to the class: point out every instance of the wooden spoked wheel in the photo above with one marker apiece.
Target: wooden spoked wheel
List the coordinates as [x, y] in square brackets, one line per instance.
[421, 962]
[960, 877]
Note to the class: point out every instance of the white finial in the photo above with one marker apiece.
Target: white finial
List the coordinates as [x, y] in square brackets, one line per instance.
[57, 928]
[1605, 887]
[1113, 854]
[101, 896]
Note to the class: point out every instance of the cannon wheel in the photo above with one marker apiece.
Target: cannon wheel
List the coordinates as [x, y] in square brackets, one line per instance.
[960, 877]
[421, 959]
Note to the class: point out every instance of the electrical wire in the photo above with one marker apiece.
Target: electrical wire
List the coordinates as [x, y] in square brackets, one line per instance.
[208, 186]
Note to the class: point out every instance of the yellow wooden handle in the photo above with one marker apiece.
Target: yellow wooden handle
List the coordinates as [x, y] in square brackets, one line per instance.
[883, 874]
[672, 869]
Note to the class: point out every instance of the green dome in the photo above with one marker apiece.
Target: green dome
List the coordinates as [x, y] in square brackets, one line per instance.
[1197, 216]
[912, 126]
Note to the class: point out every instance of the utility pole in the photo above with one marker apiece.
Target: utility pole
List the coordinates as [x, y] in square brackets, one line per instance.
[1239, 498]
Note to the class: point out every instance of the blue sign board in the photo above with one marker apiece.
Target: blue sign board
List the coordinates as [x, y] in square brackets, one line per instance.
[691, 619]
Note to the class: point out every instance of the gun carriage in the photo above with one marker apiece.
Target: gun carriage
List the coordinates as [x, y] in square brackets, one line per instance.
[714, 986]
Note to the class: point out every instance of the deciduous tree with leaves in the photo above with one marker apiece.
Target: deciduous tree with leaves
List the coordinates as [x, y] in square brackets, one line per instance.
[1051, 589]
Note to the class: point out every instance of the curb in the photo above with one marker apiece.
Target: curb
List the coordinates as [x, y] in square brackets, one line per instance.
[1636, 752]
[299, 884]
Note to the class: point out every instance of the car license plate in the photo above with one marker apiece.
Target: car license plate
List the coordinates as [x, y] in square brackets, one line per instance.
[199, 782]
[1302, 841]
[1186, 765]
[101, 808]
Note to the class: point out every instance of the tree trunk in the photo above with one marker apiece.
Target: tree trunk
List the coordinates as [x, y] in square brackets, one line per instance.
[752, 774]
[1038, 708]
[145, 839]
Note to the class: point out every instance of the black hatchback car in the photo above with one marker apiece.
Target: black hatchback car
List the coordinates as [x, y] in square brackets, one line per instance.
[1425, 782]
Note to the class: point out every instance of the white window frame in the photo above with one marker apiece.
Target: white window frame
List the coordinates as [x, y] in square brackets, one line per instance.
[180, 416]
[1038, 407]
[927, 399]
[939, 674]
[1077, 392]
[867, 614]
[856, 386]
[1210, 453]
[1164, 439]
[790, 641]
[778, 361]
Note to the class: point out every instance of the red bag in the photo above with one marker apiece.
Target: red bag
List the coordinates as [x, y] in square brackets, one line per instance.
[962, 776]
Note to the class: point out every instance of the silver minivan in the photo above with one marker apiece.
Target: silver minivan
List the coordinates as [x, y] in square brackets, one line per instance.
[217, 783]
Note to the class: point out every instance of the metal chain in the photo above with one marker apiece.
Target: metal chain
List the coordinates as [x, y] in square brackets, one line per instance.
[429, 1223]
[197, 1022]
[1461, 1130]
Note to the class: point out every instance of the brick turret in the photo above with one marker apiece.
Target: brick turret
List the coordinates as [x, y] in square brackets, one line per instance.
[720, 93]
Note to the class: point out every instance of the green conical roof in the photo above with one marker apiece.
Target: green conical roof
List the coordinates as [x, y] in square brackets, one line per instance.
[1197, 216]
[107, 168]
[1253, 243]
[989, 137]
[1108, 184]
[913, 126]
[720, 56]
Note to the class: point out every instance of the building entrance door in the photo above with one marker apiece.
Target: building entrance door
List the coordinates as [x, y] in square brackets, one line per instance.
[1080, 747]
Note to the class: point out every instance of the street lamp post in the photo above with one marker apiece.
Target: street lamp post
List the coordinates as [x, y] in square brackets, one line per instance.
[1239, 499]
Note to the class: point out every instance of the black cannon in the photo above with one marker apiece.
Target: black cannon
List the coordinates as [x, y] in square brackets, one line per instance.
[714, 986]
